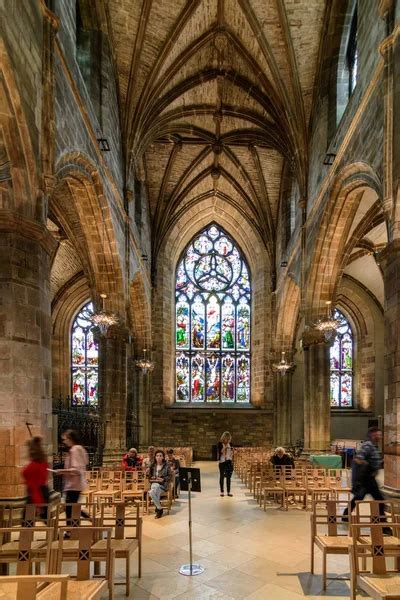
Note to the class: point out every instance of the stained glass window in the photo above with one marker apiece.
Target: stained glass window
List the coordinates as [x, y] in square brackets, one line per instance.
[341, 365]
[84, 360]
[212, 318]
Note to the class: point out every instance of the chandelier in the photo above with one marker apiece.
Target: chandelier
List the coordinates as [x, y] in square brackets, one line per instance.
[103, 319]
[283, 365]
[328, 325]
[144, 363]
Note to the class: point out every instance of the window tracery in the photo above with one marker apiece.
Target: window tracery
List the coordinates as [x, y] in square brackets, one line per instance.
[213, 316]
[341, 365]
[84, 359]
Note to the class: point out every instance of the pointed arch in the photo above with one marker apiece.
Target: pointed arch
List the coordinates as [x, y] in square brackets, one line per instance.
[19, 189]
[82, 208]
[344, 199]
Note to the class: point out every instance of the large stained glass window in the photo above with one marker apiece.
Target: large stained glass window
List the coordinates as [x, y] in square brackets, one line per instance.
[341, 358]
[213, 316]
[84, 360]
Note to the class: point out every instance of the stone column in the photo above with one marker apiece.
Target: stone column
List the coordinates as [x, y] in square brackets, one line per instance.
[145, 410]
[317, 410]
[390, 262]
[26, 248]
[113, 392]
[283, 435]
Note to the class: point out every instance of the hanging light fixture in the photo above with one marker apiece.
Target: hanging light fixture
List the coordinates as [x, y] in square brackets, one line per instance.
[144, 363]
[104, 319]
[283, 365]
[328, 325]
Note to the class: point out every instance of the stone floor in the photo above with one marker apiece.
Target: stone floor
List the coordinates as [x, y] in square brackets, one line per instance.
[246, 552]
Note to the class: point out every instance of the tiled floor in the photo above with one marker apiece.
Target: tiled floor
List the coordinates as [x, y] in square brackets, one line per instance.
[246, 553]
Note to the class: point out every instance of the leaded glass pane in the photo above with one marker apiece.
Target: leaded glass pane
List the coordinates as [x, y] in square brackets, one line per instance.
[213, 316]
[228, 378]
[341, 361]
[243, 379]
[197, 376]
[228, 324]
[212, 378]
[182, 378]
[84, 360]
[182, 323]
[213, 323]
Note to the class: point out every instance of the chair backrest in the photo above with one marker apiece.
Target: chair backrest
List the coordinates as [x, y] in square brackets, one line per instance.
[76, 519]
[25, 553]
[338, 478]
[327, 516]
[369, 511]
[369, 543]
[27, 585]
[83, 554]
[120, 516]
[42, 513]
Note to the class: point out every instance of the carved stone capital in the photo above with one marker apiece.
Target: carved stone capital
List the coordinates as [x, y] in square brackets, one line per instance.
[390, 252]
[50, 16]
[312, 337]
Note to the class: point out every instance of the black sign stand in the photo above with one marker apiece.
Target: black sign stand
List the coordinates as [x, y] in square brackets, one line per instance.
[189, 480]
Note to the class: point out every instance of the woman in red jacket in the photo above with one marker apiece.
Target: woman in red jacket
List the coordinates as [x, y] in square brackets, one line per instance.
[36, 473]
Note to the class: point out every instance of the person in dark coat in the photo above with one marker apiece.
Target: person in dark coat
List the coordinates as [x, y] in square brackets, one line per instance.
[365, 467]
[281, 458]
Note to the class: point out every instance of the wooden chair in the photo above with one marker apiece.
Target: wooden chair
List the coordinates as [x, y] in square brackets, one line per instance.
[331, 540]
[374, 562]
[110, 487]
[122, 517]
[272, 486]
[31, 587]
[76, 521]
[18, 545]
[83, 587]
[295, 487]
[339, 480]
[135, 487]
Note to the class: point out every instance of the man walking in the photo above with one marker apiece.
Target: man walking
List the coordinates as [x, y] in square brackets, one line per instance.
[366, 465]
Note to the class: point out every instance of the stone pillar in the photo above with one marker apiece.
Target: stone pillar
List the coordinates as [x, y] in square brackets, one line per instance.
[390, 262]
[317, 410]
[283, 435]
[113, 392]
[145, 411]
[26, 248]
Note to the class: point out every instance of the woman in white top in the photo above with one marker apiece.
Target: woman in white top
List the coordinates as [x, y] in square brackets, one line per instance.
[74, 470]
[225, 462]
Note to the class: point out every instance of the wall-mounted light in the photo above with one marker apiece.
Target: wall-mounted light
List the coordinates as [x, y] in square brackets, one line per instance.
[329, 159]
[103, 144]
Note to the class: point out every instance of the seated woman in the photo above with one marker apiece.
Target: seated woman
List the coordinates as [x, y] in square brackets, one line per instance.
[159, 476]
[131, 461]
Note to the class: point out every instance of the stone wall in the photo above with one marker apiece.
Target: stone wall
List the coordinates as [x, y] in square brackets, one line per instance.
[202, 428]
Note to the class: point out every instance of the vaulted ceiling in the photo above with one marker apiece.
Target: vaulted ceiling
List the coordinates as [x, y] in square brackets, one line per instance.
[216, 97]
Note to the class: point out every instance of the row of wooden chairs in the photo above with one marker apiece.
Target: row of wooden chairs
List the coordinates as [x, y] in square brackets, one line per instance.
[122, 520]
[364, 539]
[301, 484]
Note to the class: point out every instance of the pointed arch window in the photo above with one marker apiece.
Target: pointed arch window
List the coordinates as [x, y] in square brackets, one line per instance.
[352, 53]
[84, 360]
[212, 324]
[341, 365]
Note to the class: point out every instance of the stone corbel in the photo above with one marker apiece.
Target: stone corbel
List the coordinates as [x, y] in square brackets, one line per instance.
[390, 251]
[312, 337]
[50, 17]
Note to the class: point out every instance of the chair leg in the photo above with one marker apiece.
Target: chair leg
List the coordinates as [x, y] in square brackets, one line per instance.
[324, 571]
[312, 557]
[128, 575]
[140, 560]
